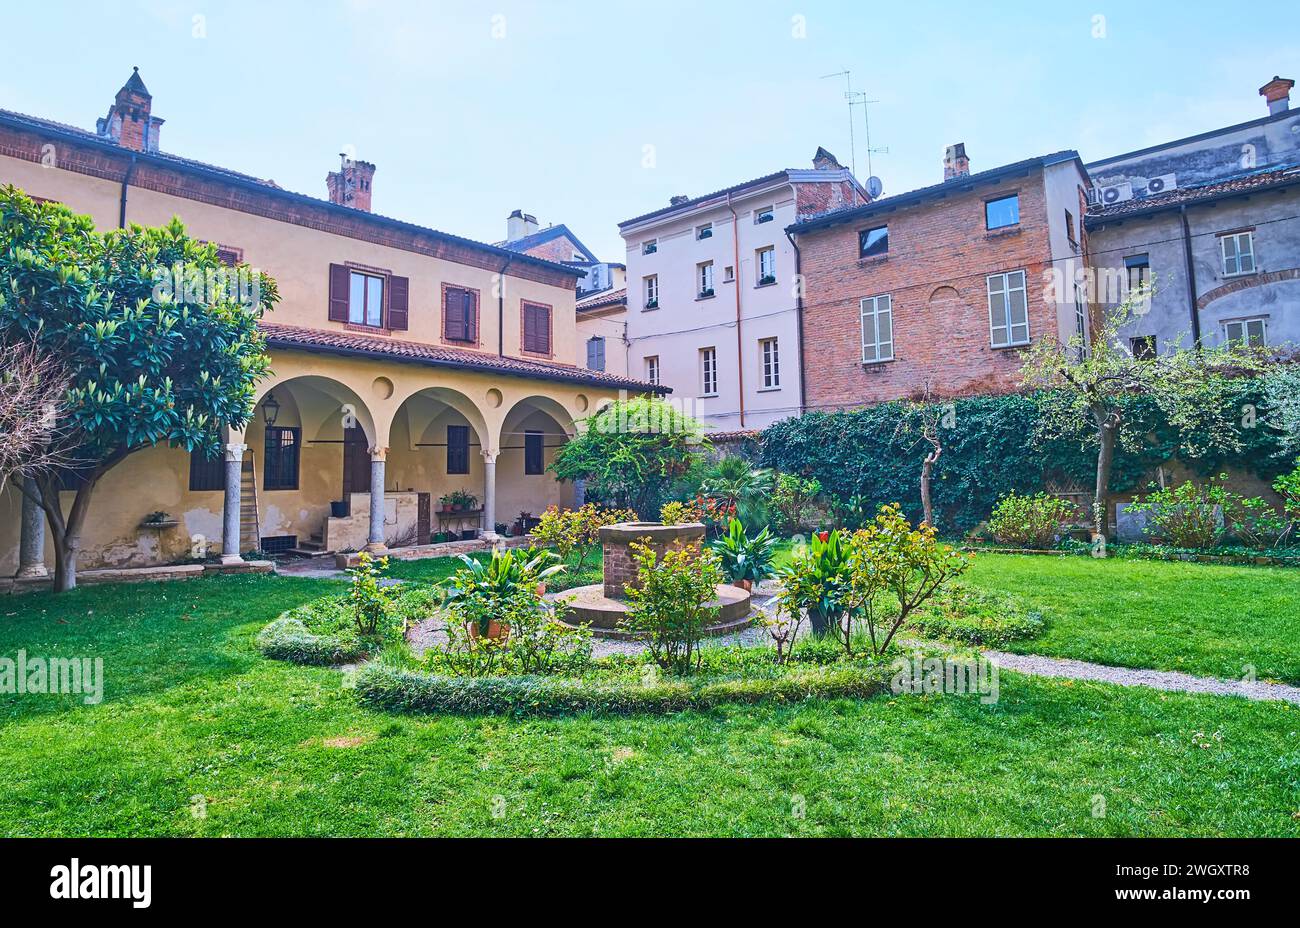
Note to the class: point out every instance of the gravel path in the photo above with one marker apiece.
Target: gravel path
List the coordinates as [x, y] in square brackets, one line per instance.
[1126, 676]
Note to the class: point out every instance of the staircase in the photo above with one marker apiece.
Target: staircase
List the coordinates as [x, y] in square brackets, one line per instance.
[309, 547]
[250, 534]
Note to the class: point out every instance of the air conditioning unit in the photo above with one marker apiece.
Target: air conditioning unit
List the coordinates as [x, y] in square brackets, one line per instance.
[1162, 184]
[1115, 193]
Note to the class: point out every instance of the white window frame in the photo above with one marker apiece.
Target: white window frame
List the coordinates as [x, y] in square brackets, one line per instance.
[650, 286]
[652, 369]
[879, 339]
[1243, 329]
[769, 353]
[701, 230]
[704, 278]
[1239, 257]
[650, 246]
[764, 211]
[1080, 320]
[1010, 325]
[768, 253]
[729, 274]
[709, 371]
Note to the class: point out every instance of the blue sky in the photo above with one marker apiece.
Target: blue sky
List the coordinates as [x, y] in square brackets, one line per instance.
[470, 110]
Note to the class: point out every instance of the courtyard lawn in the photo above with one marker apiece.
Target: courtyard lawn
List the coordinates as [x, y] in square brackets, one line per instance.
[1203, 619]
[199, 735]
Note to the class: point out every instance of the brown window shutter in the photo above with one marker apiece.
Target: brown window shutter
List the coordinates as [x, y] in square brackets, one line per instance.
[399, 297]
[471, 316]
[340, 278]
[453, 314]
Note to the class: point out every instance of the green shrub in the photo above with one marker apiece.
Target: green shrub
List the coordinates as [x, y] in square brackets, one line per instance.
[1190, 515]
[668, 608]
[384, 687]
[978, 617]
[791, 501]
[325, 632]
[1032, 521]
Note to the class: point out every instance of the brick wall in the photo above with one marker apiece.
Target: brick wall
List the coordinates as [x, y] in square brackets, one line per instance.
[939, 256]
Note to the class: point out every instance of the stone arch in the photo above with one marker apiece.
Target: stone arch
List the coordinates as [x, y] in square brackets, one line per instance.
[944, 294]
[321, 406]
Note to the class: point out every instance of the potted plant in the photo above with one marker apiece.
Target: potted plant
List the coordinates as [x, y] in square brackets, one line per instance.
[706, 293]
[819, 581]
[481, 593]
[766, 279]
[745, 561]
[445, 502]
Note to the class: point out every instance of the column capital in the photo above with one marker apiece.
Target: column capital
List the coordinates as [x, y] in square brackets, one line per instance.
[235, 451]
[378, 453]
[489, 457]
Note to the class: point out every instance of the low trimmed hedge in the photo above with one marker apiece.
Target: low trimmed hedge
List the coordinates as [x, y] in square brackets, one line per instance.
[383, 687]
[980, 617]
[288, 639]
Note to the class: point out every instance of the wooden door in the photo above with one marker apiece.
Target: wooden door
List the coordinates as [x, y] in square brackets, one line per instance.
[356, 461]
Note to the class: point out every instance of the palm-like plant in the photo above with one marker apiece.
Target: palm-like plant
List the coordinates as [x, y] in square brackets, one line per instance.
[745, 559]
[484, 590]
[734, 480]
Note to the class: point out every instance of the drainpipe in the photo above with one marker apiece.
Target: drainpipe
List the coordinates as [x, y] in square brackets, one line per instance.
[798, 314]
[1191, 279]
[501, 309]
[740, 353]
[126, 182]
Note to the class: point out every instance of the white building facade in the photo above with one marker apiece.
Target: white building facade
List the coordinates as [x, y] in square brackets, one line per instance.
[713, 308]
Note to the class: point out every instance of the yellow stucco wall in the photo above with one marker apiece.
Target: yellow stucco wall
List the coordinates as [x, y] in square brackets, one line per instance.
[401, 407]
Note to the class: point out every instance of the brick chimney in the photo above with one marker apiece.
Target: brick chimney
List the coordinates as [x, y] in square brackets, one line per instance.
[955, 162]
[351, 184]
[130, 122]
[825, 161]
[520, 225]
[1278, 94]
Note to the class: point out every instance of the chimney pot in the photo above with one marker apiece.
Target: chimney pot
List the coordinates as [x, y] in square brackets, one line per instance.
[955, 162]
[130, 121]
[1277, 93]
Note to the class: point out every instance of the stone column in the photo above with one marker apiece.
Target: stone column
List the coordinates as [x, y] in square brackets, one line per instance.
[31, 546]
[489, 494]
[230, 520]
[375, 542]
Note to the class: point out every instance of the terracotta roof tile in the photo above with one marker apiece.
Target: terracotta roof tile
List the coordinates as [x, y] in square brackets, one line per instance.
[1246, 184]
[602, 300]
[332, 342]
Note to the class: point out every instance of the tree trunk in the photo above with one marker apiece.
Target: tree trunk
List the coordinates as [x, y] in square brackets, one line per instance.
[927, 470]
[1105, 455]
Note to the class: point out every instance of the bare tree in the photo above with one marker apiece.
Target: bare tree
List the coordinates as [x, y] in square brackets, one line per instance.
[921, 423]
[33, 387]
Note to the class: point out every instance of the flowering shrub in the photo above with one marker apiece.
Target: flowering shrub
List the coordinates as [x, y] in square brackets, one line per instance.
[669, 607]
[572, 531]
[1031, 521]
[368, 599]
[1187, 516]
[870, 580]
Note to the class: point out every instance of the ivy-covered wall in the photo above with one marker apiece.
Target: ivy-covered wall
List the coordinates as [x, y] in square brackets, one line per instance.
[991, 447]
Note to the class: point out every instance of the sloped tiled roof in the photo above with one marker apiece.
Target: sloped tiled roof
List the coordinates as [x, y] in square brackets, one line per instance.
[921, 194]
[692, 201]
[602, 300]
[1249, 183]
[35, 123]
[349, 343]
[548, 234]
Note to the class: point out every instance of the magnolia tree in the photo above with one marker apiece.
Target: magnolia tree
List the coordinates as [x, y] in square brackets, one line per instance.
[1082, 388]
[157, 338]
[632, 452]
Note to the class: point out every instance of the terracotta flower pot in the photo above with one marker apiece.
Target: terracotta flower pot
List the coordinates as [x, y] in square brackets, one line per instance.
[496, 631]
[541, 588]
[746, 585]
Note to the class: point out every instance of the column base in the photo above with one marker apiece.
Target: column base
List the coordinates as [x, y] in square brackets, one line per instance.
[32, 572]
[230, 559]
[376, 547]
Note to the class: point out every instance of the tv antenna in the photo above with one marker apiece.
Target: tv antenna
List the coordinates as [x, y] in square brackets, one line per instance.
[857, 98]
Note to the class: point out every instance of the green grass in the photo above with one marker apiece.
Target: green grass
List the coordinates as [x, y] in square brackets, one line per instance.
[1203, 619]
[275, 749]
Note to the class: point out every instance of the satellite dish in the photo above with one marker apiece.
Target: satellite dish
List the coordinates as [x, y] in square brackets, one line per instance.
[874, 187]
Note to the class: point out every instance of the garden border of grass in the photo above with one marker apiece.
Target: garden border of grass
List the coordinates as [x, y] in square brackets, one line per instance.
[394, 690]
[288, 639]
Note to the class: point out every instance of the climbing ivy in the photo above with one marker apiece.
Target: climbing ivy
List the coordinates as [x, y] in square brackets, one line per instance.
[992, 446]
